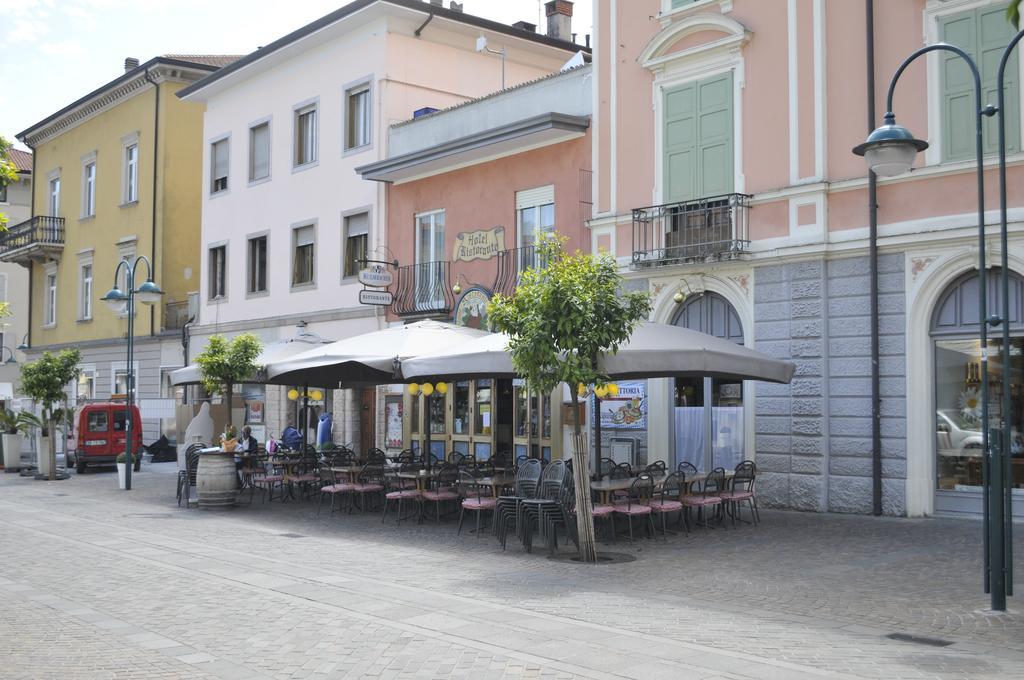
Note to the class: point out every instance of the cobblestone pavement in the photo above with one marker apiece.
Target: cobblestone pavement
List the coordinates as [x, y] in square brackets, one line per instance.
[98, 583]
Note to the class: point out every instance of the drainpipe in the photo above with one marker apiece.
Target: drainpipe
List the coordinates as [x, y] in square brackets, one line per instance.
[32, 213]
[876, 401]
[152, 243]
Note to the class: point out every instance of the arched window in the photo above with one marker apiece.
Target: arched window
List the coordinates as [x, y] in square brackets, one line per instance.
[958, 386]
[709, 405]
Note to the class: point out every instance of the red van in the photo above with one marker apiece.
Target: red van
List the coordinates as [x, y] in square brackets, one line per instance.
[100, 431]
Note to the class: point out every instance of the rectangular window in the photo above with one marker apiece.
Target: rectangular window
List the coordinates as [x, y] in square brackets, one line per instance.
[357, 232]
[219, 166]
[302, 271]
[357, 116]
[982, 33]
[131, 173]
[3, 193]
[305, 135]
[85, 303]
[218, 272]
[87, 386]
[259, 152]
[50, 311]
[97, 421]
[258, 265]
[89, 190]
[430, 271]
[54, 202]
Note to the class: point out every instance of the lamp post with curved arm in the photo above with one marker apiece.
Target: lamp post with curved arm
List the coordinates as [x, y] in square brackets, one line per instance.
[123, 302]
[890, 150]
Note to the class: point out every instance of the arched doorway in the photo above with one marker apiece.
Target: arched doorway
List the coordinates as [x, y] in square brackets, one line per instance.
[957, 390]
[709, 423]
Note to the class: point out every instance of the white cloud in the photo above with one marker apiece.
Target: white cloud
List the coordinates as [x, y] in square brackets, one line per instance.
[64, 48]
[27, 30]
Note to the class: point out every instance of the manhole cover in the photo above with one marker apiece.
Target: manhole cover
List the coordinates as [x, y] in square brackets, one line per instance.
[292, 535]
[918, 640]
[602, 558]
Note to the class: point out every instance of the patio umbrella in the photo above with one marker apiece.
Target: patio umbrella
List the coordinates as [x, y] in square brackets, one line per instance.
[655, 350]
[272, 352]
[369, 358]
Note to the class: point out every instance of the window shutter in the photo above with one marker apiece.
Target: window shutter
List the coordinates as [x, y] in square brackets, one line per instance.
[260, 151]
[357, 225]
[994, 34]
[714, 129]
[532, 197]
[304, 236]
[678, 144]
[220, 159]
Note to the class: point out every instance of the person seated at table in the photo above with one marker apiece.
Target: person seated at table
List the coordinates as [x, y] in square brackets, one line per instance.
[247, 446]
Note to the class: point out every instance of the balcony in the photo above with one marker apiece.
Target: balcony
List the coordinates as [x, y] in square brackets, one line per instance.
[423, 290]
[705, 230]
[38, 239]
[511, 263]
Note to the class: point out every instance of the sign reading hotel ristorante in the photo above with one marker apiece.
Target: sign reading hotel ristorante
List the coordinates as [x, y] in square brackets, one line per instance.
[377, 276]
[479, 245]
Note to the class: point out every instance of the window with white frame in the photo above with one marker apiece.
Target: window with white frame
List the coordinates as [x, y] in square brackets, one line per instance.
[219, 166]
[535, 216]
[305, 135]
[430, 255]
[54, 196]
[85, 291]
[357, 234]
[259, 152]
[357, 116]
[119, 381]
[86, 386]
[303, 267]
[131, 173]
[218, 272]
[257, 274]
[89, 188]
[50, 300]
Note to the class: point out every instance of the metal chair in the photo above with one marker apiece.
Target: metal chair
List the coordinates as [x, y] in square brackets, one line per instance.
[667, 498]
[742, 491]
[187, 477]
[475, 498]
[706, 496]
[398, 491]
[507, 507]
[637, 502]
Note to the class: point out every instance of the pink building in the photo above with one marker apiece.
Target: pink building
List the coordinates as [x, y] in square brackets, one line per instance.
[721, 138]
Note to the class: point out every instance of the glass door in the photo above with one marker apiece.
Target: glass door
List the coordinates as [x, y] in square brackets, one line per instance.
[462, 417]
[430, 260]
[533, 424]
[483, 419]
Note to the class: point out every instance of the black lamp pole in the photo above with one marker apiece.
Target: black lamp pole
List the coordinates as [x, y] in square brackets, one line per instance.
[890, 137]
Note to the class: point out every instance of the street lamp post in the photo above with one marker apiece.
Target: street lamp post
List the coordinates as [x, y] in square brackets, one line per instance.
[123, 301]
[889, 151]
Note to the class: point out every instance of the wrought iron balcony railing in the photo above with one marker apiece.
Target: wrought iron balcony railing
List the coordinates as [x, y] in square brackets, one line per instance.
[707, 229]
[32, 238]
[513, 262]
[423, 290]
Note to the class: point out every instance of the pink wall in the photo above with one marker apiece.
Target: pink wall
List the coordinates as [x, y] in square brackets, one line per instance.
[483, 197]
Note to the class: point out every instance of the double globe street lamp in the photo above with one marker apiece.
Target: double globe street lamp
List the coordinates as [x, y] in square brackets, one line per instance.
[122, 302]
[889, 151]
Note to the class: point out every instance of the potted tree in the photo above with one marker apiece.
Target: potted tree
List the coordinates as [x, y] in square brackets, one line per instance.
[222, 365]
[44, 381]
[12, 428]
[562, 317]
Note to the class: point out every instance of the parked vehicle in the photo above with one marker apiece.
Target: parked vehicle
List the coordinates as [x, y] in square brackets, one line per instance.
[954, 440]
[100, 434]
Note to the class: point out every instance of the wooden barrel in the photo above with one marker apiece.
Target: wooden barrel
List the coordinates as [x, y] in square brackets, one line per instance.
[216, 480]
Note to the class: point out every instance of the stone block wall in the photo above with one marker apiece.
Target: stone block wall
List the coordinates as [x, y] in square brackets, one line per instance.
[813, 436]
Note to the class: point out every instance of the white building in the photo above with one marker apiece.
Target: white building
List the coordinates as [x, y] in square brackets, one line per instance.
[286, 220]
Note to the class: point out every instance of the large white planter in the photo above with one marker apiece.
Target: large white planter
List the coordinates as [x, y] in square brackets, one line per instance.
[43, 456]
[12, 451]
[120, 475]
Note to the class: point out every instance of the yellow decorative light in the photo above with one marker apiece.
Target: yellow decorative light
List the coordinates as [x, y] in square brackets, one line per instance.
[427, 389]
[601, 391]
[316, 395]
[414, 389]
[581, 389]
[613, 389]
[442, 388]
[293, 394]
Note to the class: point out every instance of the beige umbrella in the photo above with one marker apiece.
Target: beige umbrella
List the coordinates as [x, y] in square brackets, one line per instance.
[370, 358]
[272, 352]
[654, 350]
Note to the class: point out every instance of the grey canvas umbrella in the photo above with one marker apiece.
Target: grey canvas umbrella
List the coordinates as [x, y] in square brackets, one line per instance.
[654, 350]
[369, 358]
[272, 352]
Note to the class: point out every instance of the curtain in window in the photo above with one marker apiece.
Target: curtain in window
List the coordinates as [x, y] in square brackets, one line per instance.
[260, 152]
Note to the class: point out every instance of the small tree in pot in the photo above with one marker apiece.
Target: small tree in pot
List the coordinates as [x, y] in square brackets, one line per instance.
[44, 381]
[226, 362]
[563, 316]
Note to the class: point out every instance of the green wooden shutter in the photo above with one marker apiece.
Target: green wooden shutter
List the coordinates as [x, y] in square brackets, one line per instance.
[698, 140]
[982, 33]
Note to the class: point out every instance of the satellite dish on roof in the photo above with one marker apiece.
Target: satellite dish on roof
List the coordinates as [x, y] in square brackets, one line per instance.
[577, 60]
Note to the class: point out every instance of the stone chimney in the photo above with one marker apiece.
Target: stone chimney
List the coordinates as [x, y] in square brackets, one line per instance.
[456, 6]
[559, 13]
[130, 63]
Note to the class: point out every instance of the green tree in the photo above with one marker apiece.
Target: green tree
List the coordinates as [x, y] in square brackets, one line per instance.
[226, 362]
[561, 318]
[8, 172]
[45, 381]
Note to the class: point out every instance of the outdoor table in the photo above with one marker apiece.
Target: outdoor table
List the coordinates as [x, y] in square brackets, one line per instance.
[606, 487]
[497, 482]
[421, 477]
[288, 464]
[351, 471]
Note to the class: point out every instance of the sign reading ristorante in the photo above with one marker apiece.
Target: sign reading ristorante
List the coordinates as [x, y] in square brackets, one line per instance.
[479, 245]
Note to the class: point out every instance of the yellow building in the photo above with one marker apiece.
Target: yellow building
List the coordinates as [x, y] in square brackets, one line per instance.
[118, 176]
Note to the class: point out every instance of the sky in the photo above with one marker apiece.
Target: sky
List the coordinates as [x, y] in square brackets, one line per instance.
[55, 51]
